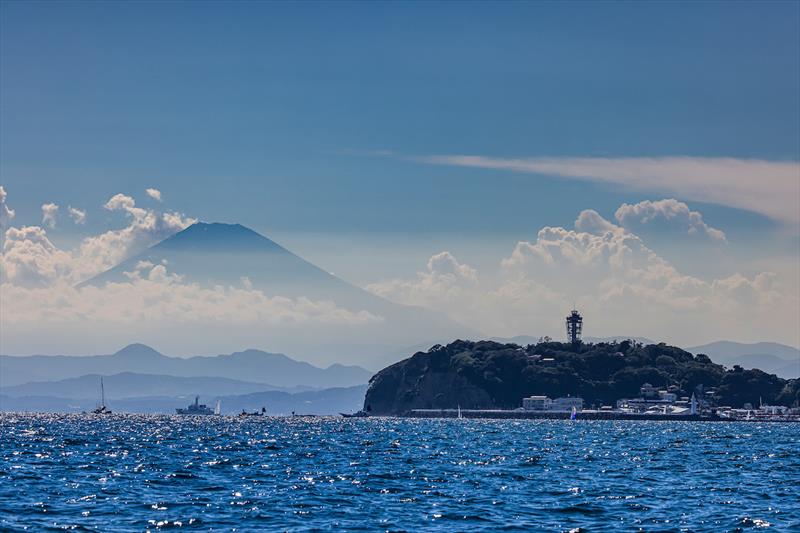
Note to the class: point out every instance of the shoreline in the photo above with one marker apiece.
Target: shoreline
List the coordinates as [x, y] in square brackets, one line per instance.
[501, 414]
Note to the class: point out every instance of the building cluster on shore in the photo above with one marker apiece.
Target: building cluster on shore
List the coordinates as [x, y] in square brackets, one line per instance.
[658, 402]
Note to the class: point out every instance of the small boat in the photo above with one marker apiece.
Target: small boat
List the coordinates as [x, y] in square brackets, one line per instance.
[358, 414]
[102, 409]
[196, 408]
[574, 414]
[263, 412]
[459, 412]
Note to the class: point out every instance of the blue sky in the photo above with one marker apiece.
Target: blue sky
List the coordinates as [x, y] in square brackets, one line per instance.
[306, 121]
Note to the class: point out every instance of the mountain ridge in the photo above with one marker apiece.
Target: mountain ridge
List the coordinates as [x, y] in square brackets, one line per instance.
[246, 366]
[126, 385]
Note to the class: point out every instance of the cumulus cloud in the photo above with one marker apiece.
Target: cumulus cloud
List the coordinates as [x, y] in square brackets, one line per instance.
[146, 227]
[621, 285]
[771, 188]
[78, 215]
[49, 213]
[121, 202]
[666, 213]
[590, 221]
[31, 259]
[155, 194]
[6, 213]
[443, 281]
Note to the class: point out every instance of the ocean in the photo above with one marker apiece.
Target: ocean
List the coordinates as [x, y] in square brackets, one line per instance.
[138, 473]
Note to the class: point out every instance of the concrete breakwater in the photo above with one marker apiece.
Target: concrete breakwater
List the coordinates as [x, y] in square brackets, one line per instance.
[508, 414]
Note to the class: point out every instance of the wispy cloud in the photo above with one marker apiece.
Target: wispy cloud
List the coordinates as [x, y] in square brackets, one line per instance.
[77, 215]
[771, 188]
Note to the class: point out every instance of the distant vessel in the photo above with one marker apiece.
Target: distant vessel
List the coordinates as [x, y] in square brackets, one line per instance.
[359, 414]
[102, 409]
[263, 412]
[459, 412]
[196, 408]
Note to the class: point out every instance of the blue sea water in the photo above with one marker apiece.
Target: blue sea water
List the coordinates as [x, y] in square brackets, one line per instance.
[137, 473]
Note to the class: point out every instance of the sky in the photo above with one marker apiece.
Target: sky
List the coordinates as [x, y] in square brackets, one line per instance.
[371, 138]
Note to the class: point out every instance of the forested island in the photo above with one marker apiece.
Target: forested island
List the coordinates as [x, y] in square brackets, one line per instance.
[492, 375]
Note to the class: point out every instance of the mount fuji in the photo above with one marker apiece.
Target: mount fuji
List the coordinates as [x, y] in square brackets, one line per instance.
[216, 254]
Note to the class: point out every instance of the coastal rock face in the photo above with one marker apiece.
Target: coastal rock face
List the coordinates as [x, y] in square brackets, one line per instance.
[486, 375]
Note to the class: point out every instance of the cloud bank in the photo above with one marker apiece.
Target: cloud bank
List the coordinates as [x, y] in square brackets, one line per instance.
[621, 285]
[155, 296]
[771, 188]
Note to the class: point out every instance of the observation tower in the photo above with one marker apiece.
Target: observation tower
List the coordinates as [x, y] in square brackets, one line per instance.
[574, 327]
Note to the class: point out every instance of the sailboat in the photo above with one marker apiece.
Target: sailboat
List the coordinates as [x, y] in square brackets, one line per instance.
[218, 409]
[574, 413]
[459, 412]
[102, 409]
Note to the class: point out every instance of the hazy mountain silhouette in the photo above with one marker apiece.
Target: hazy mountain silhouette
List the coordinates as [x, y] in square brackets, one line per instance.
[249, 366]
[216, 253]
[130, 385]
[771, 357]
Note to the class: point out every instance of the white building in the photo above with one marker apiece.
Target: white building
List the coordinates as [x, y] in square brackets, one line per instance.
[567, 403]
[543, 403]
[537, 403]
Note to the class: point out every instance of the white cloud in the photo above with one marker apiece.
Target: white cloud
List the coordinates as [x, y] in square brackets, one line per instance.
[120, 202]
[590, 221]
[771, 188]
[442, 282]
[146, 227]
[49, 213]
[6, 213]
[621, 285]
[155, 194]
[157, 297]
[30, 258]
[77, 215]
[666, 213]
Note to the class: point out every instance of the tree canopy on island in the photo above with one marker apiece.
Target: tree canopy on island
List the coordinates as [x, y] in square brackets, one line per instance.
[487, 374]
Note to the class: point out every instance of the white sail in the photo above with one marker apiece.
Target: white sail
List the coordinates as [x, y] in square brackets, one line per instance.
[218, 409]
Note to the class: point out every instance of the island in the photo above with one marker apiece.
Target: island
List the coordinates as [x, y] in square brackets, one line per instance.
[615, 377]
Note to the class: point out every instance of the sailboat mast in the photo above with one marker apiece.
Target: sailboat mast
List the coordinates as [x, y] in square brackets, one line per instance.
[102, 393]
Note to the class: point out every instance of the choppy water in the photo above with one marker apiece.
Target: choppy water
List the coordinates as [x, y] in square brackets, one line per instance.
[132, 473]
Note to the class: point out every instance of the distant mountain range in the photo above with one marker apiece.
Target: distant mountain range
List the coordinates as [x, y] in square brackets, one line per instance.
[250, 366]
[132, 385]
[771, 357]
